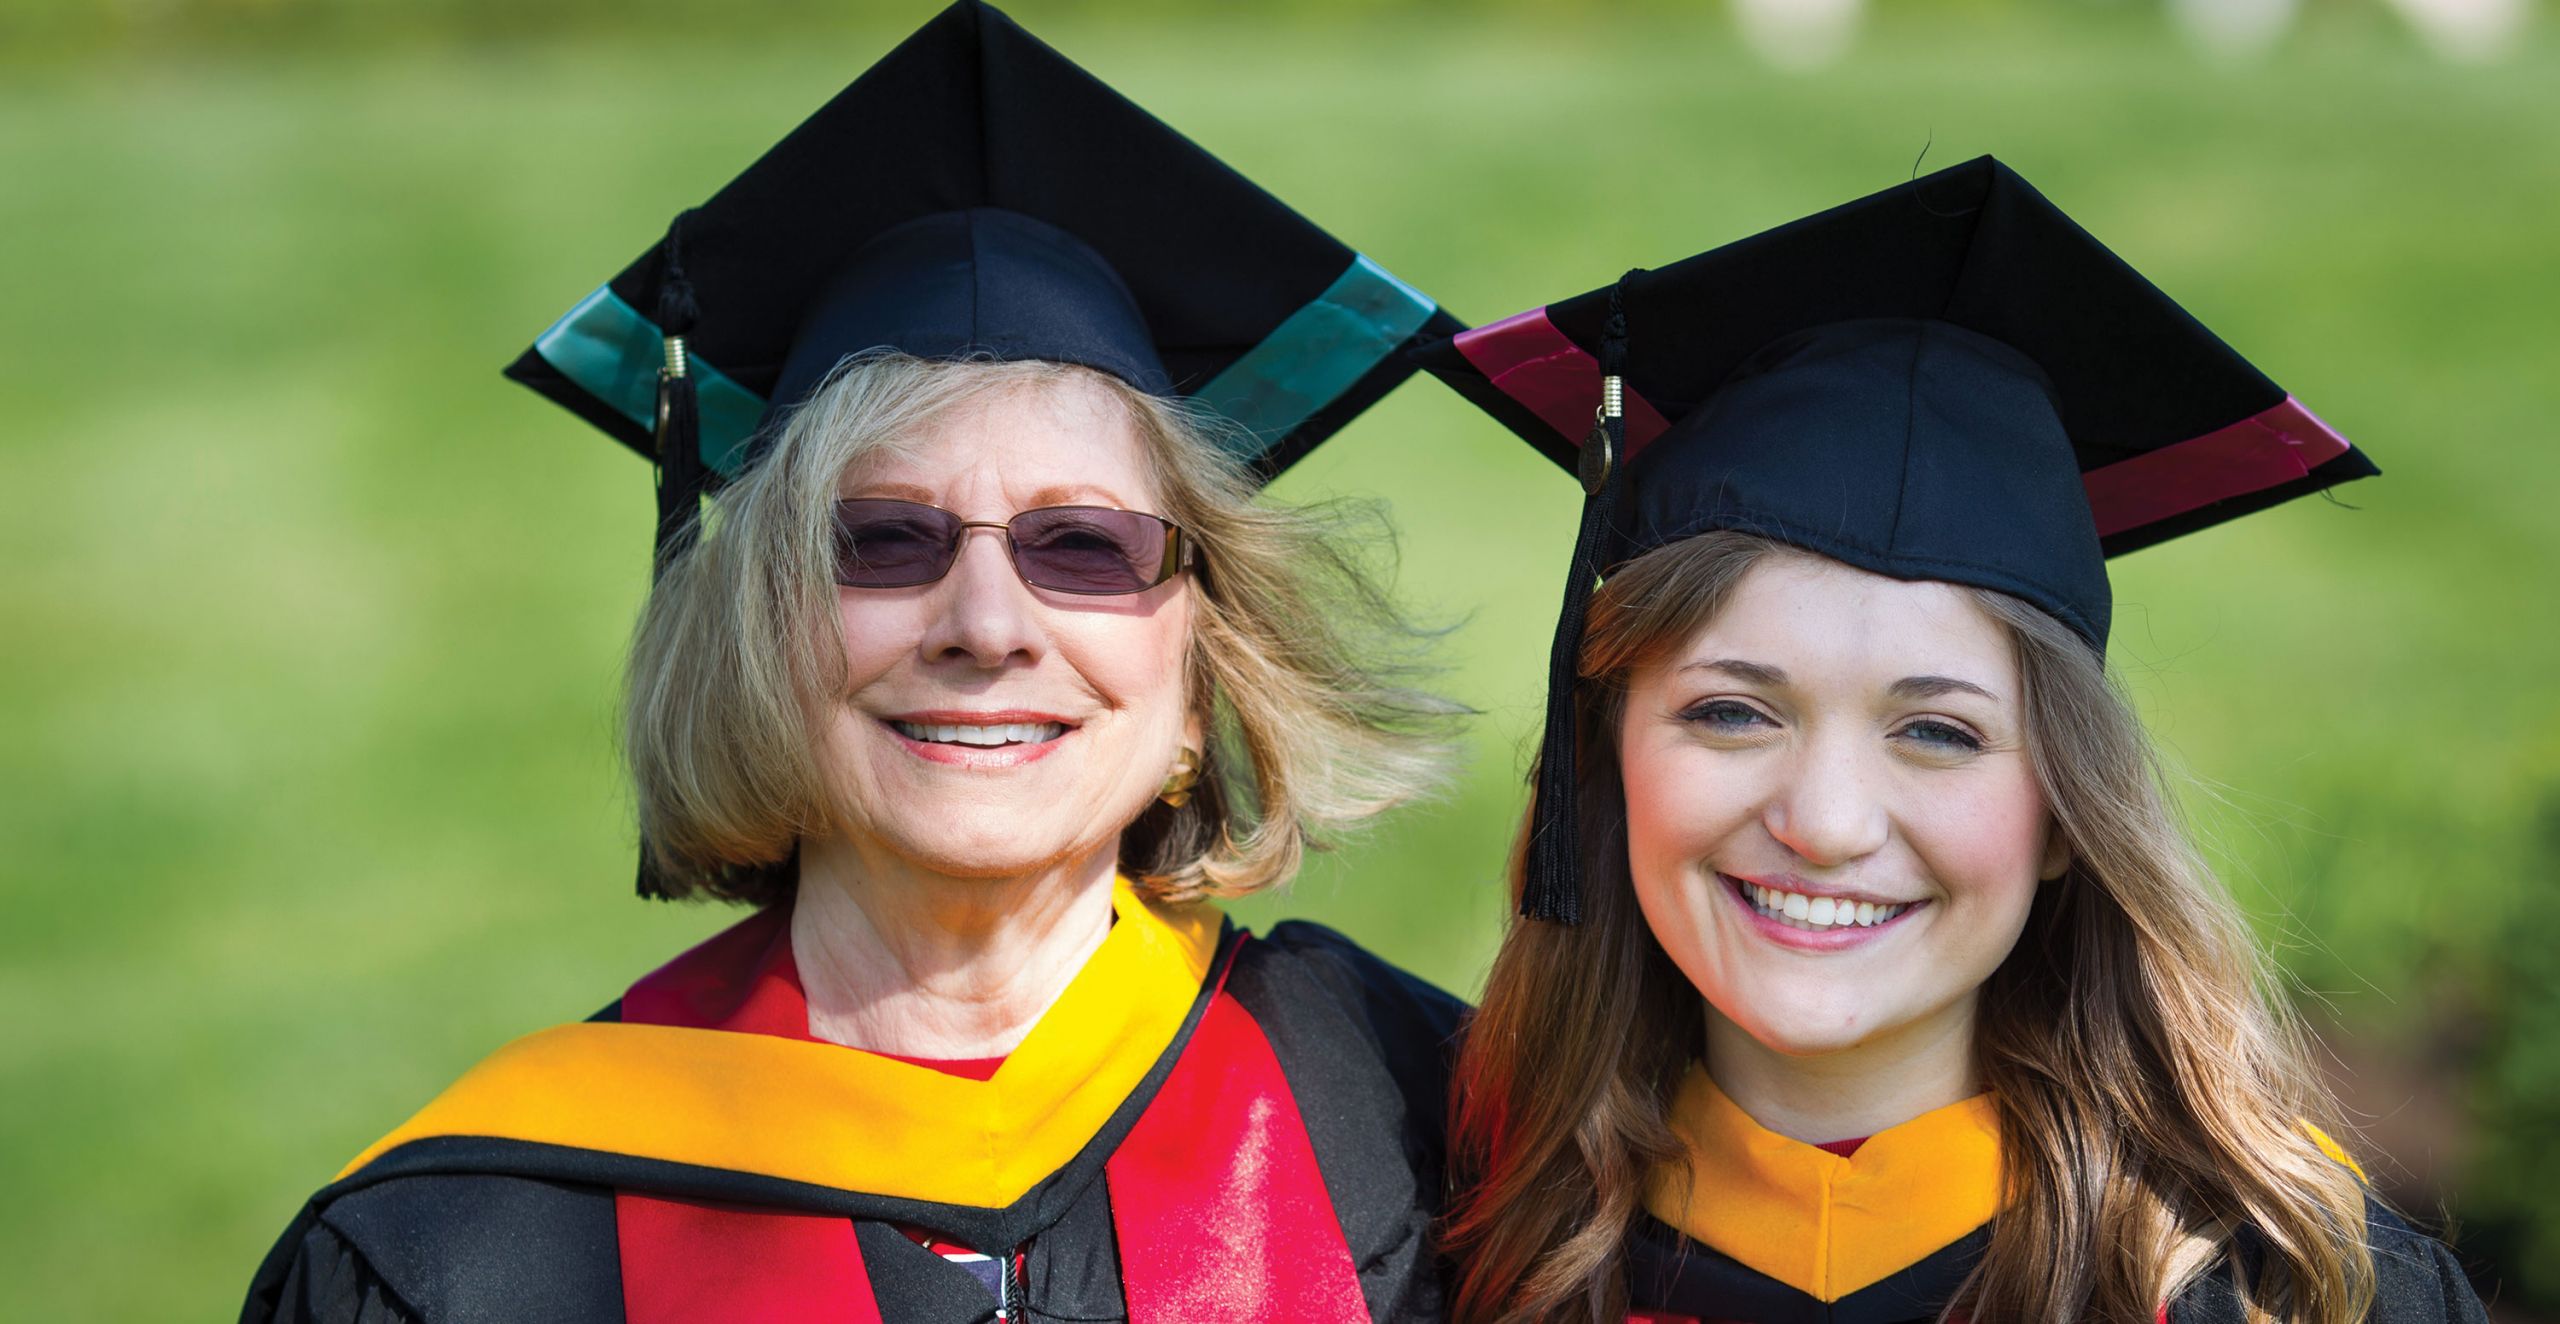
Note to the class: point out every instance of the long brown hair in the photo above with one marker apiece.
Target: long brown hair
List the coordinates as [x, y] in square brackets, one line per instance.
[2154, 1092]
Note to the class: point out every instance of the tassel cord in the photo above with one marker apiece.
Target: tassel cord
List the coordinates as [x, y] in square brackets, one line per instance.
[1551, 884]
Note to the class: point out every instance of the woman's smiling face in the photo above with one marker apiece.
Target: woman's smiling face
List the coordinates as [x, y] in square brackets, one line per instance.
[1833, 823]
[989, 728]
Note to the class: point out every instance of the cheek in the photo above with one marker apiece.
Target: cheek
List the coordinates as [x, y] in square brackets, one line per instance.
[874, 632]
[1139, 660]
[1681, 807]
[1985, 844]
[1681, 801]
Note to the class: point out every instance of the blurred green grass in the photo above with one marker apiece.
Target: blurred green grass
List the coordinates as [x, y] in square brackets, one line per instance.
[313, 623]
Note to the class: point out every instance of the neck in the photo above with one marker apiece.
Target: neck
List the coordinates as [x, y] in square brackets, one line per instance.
[895, 959]
[1851, 1093]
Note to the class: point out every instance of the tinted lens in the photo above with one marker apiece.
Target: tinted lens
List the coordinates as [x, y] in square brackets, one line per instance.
[890, 544]
[1089, 549]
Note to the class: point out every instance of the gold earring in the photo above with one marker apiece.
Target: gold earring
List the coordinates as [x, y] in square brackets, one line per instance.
[1178, 783]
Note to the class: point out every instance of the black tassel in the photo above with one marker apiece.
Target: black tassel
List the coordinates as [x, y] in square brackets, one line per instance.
[682, 477]
[1551, 886]
[679, 460]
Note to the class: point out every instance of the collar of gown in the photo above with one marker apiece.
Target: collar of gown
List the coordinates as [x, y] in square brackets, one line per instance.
[841, 1117]
[1820, 1223]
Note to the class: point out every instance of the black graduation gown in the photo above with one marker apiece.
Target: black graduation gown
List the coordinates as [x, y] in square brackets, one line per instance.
[1781, 1232]
[1677, 1278]
[1265, 1144]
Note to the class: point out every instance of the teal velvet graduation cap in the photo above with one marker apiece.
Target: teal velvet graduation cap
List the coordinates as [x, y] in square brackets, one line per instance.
[976, 194]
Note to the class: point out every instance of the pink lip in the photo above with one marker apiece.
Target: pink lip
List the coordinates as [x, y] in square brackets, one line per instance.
[1806, 940]
[973, 756]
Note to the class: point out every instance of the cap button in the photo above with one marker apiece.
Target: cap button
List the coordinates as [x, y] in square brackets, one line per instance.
[1597, 455]
[1599, 451]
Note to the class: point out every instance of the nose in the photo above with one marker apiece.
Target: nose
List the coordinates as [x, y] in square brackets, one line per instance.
[1831, 810]
[984, 614]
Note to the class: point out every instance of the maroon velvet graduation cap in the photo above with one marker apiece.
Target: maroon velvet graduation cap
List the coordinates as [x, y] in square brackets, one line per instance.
[1948, 380]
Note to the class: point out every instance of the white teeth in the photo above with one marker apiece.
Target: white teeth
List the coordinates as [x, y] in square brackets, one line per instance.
[985, 737]
[1816, 913]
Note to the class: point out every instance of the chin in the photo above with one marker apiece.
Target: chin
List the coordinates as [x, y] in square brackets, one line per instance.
[1788, 1023]
[995, 836]
[955, 846]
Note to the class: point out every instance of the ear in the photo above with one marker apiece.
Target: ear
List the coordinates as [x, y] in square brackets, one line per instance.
[1195, 734]
[2057, 852]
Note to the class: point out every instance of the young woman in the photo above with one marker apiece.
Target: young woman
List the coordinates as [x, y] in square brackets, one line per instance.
[1865, 974]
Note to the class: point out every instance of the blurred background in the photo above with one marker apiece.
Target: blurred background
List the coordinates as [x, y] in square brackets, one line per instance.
[313, 624]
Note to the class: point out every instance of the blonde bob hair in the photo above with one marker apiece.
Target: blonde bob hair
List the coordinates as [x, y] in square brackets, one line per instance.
[1298, 662]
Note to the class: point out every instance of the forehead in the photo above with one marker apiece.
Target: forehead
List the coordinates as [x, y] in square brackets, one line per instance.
[1823, 622]
[1062, 440]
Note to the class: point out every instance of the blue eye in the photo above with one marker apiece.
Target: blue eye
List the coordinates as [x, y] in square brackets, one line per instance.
[1942, 736]
[1725, 715]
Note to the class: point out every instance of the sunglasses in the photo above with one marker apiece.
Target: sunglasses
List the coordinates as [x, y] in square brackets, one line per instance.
[886, 543]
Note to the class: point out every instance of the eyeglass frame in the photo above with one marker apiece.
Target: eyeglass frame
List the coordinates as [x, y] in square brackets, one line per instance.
[1179, 549]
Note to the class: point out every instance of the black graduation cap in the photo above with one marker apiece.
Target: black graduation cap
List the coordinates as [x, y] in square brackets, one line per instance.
[974, 193]
[1947, 380]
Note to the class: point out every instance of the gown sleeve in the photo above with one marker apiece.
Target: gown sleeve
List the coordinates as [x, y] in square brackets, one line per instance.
[2417, 1279]
[315, 1276]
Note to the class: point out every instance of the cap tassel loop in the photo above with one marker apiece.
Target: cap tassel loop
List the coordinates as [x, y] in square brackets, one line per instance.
[1551, 882]
[682, 476]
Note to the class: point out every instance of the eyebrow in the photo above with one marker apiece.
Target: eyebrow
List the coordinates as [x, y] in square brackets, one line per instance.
[888, 491]
[1078, 494]
[1937, 687]
[1750, 673]
[1907, 688]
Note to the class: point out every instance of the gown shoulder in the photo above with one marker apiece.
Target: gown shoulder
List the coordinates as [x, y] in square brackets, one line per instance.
[2417, 1280]
[1344, 1011]
[445, 1246]
[1320, 964]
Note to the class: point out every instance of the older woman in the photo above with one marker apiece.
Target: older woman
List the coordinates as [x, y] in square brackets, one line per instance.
[987, 671]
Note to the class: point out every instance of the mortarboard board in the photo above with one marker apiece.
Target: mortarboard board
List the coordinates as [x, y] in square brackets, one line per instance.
[975, 193]
[1948, 380]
